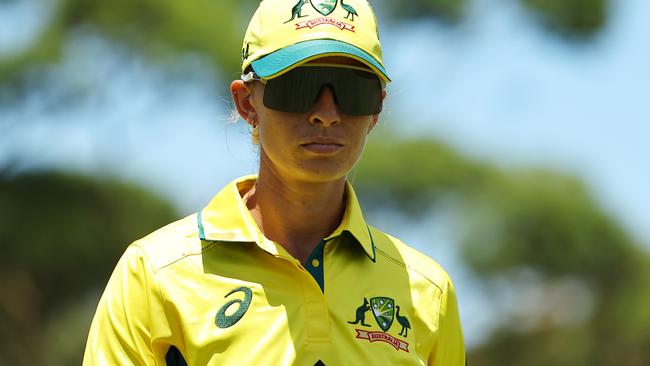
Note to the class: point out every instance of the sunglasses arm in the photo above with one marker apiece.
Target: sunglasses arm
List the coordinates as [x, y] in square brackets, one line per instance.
[252, 76]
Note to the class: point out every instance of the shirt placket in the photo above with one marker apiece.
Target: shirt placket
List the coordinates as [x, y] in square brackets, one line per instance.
[316, 309]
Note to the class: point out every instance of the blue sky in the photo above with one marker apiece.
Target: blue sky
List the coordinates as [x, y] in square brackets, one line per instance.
[497, 88]
[500, 88]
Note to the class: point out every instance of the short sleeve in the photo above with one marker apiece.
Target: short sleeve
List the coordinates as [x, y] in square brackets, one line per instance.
[449, 347]
[120, 333]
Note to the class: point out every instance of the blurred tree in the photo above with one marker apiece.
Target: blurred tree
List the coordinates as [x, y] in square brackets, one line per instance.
[448, 11]
[571, 18]
[61, 235]
[538, 228]
[166, 27]
[582, 284]
[576, 19]
[162, 28]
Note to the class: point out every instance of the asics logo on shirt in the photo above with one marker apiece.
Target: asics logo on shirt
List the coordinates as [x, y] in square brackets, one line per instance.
[224, 320]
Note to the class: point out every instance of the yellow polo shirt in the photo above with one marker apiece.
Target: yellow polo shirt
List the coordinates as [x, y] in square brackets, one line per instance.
[210, 289]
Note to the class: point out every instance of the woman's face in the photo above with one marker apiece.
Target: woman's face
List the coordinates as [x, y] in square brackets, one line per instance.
[320, 145]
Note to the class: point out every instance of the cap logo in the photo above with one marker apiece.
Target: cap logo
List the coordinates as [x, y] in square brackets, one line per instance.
[324, 21]
[325, 7]
[296, 11]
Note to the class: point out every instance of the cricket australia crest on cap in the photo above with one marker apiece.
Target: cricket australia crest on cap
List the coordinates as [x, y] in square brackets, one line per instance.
[324, 7]
[286, 33]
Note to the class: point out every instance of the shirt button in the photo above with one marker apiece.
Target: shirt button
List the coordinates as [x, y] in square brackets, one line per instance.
[315, 263]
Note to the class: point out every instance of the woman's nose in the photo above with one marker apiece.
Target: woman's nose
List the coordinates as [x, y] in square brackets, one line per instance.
[325, 111]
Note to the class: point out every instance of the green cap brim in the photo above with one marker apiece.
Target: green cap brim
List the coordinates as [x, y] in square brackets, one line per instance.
[283, 60]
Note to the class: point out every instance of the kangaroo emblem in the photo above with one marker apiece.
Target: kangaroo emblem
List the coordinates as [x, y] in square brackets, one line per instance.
[296, 11]
[361, 313]
[350, 10]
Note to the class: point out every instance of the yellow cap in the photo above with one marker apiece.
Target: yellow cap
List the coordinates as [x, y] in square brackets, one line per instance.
[284, 34]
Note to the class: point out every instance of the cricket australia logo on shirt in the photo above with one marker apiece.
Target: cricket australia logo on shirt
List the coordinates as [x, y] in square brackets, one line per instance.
[325, 8]
[384, 311]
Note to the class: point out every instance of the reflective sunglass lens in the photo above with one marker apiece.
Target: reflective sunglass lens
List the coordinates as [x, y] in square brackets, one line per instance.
[356, 92]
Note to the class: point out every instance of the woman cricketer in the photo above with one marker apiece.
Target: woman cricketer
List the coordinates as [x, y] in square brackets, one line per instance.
[281, 268]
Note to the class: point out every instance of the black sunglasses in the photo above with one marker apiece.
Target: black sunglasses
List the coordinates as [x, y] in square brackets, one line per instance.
[357, 91]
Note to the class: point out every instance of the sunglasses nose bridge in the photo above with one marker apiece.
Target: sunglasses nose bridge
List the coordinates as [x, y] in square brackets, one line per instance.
[327, 86]
[325, 110]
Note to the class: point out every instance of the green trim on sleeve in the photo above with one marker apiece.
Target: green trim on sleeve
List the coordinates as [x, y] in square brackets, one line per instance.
[199, 218]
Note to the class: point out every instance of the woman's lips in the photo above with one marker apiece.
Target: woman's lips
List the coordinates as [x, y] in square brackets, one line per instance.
[322, 145]
[320, 148]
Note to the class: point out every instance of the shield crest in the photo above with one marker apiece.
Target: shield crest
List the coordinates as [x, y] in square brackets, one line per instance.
[325, 7]
[383, 308]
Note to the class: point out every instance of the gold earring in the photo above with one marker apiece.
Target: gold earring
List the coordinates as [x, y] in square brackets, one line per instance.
[255, 134]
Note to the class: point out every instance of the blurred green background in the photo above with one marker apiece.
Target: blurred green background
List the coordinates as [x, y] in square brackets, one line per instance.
[547, 272]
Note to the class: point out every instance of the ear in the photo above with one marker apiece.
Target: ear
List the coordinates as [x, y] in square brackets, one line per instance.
[375, 117]
[242, 96]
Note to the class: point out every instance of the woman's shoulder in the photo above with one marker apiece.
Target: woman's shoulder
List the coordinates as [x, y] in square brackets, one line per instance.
[171, 243]
[400, 253]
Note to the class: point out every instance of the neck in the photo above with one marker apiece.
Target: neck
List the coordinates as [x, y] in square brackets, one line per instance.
[296, 214]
